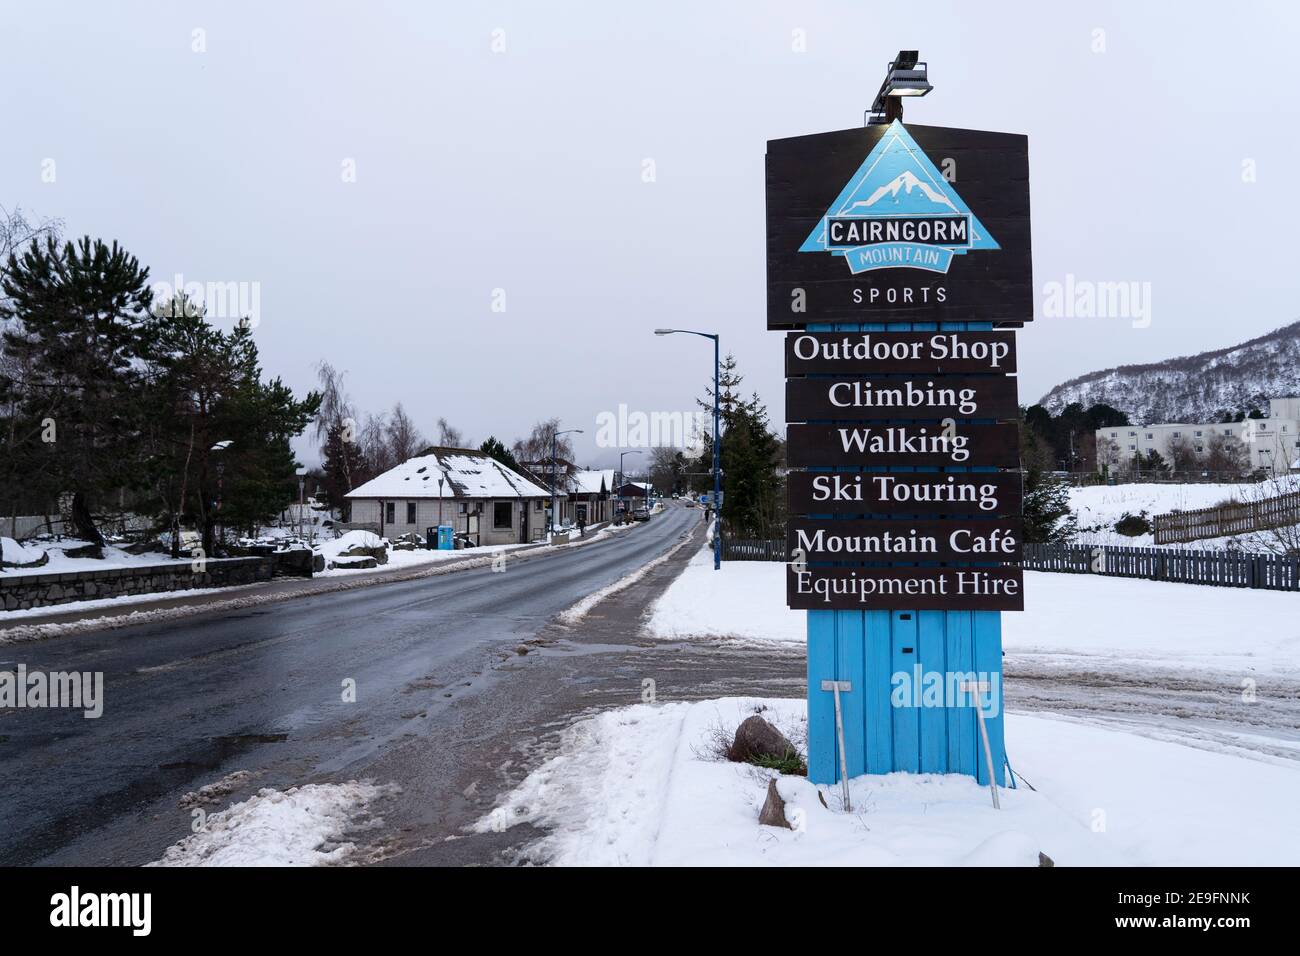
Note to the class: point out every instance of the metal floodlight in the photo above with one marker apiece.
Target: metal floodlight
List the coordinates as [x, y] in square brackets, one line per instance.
[906, 76]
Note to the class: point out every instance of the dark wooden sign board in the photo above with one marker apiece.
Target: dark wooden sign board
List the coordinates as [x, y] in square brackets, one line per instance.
[991, 494]
[820, 183]
[875, 353]
[917, 589]
[975, 446]
[912, 398]
[871, 541]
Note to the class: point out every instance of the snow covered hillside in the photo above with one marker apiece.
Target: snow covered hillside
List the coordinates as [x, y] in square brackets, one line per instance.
[1193, 388]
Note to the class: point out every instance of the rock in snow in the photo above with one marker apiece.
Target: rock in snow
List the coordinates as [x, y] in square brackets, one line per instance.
[755, 737]
[773, 812]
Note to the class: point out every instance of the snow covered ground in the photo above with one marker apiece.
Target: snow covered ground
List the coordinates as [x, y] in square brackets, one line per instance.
[59, 563]
[302, 826]
[1115, 622]
[1098, 507]
[640, 786]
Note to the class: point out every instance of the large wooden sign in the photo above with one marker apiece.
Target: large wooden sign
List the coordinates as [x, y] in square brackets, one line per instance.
[859, 541]
[991, 494]
[917, 589]
[875, 353]
[918, 397]
[898, 224]
[974, 446]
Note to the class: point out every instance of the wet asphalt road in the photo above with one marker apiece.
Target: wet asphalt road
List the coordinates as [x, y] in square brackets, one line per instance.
[260, 690]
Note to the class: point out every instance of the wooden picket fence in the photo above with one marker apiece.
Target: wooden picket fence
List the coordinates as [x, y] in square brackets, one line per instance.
[1232, 569]
[1238, 517]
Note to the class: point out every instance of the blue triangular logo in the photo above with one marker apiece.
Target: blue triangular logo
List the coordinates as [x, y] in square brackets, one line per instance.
[898, 212]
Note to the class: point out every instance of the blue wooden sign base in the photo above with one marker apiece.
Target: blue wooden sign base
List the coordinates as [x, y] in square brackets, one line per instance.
[885, 730]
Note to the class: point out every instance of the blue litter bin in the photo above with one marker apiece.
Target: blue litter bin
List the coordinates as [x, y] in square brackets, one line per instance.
[445, 541]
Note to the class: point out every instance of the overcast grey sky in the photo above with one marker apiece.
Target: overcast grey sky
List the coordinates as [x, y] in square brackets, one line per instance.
[522, 170]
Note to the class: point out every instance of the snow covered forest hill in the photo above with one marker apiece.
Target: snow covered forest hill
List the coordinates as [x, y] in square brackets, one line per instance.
[1193, 388]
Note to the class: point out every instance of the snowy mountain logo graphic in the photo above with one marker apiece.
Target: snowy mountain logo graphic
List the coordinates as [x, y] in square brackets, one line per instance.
[898, 212]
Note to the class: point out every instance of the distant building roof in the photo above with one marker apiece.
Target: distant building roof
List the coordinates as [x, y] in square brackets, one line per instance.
[589, 482]
[467, 473]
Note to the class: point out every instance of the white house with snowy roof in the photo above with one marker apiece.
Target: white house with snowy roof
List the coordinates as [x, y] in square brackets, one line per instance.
[472, 492]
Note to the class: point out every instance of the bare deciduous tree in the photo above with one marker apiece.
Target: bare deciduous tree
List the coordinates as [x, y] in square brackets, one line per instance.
[404, 439]
[449, 436]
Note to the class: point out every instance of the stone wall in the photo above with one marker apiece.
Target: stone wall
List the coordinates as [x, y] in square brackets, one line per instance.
[23, 591]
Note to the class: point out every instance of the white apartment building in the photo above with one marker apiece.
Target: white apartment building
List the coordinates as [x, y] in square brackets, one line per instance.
[1271, 443]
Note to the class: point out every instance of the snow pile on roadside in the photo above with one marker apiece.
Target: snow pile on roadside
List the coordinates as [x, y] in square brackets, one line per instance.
[744, 600]
[301, 826]
[578, 611]
[351, 539]
[638, 786]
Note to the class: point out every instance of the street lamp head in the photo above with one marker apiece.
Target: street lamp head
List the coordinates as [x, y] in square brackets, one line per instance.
[664, 331]
[906, 76]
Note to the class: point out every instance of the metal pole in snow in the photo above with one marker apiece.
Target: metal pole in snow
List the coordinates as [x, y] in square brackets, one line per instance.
[975, 688]
[847, 687]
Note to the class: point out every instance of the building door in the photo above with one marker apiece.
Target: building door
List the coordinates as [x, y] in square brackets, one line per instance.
[523, 521]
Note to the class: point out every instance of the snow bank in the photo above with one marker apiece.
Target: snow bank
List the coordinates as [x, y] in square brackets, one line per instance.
[1115, 622]
[639, 786]
[1121, 622]
[745, 600]
[11, 552]
[60, 563]
[301, 826]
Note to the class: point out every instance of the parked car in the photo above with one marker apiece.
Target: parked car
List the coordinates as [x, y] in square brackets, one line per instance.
[641, 514]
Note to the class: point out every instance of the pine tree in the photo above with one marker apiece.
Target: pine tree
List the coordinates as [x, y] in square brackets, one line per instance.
[750, 456]
[494, 449]
[77, 312]
[221, 442]
[1046, 514]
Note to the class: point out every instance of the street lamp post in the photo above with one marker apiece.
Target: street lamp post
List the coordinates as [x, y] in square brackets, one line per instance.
[222, 447]
[717, 448]
[618, 485]
[551, 471]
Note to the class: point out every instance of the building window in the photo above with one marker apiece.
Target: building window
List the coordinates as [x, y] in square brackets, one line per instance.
[390, 512]
[539, 504]
[1199, 449]
[1176, 435]
[1149, 436]
[503, 514]
[410, 512]
[1198, 434]
[1114, 434]
[1132, 447]
[1132, 434]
